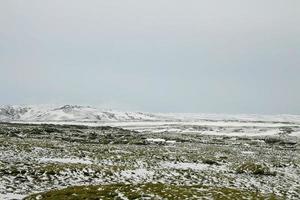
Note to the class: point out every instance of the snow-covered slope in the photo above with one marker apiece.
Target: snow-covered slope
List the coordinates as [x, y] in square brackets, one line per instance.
[75, 113]
[208, 124]
[70, 113]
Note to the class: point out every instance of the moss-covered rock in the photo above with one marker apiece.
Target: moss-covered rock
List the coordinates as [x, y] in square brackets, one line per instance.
[254, 168]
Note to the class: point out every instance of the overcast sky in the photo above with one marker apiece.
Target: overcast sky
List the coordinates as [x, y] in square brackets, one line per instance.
[212, 56]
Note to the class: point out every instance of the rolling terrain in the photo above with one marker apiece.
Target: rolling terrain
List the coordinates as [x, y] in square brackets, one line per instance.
[75, 152]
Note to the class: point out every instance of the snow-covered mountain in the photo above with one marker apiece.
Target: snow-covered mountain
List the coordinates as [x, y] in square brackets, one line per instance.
[75, 113]
[70, 113]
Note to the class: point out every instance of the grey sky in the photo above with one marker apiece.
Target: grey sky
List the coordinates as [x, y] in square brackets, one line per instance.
[234, 56]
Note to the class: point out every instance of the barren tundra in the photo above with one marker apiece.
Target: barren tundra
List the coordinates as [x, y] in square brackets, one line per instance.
[75, 152]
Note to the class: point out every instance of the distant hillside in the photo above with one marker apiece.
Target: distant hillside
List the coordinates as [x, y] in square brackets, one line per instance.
[71, 113]
[75, 113]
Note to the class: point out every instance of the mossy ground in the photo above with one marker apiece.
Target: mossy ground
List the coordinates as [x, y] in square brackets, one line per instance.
[147, 191]
[254, 168]
[119, 160]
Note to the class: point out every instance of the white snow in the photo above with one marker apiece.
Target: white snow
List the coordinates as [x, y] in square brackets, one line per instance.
[170, 141]
[136, 174]
[155, 140]
[65, 160]
[183, 165]
[11, 196]
[248, 152]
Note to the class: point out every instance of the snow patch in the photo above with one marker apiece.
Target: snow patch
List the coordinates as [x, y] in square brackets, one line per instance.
[136, 174]
[183, 165]
[65, 160]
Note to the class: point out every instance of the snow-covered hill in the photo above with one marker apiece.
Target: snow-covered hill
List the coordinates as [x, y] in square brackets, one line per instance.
[209, 124]
[75, 113]
[71, 113]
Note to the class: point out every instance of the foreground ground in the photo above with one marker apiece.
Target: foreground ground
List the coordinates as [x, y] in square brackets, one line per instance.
[108, 163]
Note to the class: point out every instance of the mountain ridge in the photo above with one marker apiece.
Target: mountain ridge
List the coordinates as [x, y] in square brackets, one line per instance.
[69, 113]
[78, 113]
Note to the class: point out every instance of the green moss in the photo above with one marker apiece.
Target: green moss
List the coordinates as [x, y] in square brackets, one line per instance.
[56, 168]
[152, 191]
